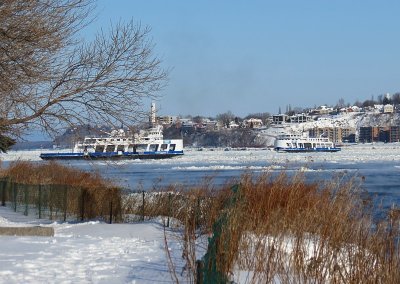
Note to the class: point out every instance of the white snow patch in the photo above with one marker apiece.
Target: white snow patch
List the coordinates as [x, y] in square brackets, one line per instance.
[91, 252]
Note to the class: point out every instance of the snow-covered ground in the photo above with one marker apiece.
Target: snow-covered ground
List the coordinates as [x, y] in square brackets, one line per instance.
[95, 252]
[90, 252]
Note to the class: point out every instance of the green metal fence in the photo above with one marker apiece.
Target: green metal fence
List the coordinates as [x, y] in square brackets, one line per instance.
[61, 202]
[209, 267]
[68, 203]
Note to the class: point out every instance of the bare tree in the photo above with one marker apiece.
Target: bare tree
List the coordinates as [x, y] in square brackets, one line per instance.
[51, 79]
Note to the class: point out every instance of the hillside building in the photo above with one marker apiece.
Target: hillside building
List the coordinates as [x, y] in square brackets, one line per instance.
[395, 134]
[300, 118]
[233, 125]
[279, 118]
[322, 110]
[388, 109]
[253, 123]
[166, 120]
[335, 134]
[369, 134]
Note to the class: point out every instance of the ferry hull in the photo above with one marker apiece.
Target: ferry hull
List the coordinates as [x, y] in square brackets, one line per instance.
[110, 156]
[307, 150]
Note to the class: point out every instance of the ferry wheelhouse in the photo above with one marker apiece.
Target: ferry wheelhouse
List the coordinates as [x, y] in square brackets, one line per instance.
[303, 143]
[118, 145]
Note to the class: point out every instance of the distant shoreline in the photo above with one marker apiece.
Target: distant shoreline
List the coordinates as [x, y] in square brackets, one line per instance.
[32, 145]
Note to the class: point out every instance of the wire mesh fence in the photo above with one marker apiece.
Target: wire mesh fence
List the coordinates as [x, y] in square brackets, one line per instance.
[62, 202]
[71, 203]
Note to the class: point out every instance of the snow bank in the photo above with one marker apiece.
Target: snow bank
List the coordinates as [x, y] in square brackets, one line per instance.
[86, 253]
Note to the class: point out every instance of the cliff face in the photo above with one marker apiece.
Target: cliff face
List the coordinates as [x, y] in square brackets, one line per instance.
[379, 119]
[237, 138]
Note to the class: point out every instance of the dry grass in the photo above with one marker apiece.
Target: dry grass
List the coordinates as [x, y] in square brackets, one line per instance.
[281, 229]
[52, 173]
[79, 193]
[275, 229]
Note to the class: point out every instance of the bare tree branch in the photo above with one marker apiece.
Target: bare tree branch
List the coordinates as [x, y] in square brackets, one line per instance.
[48, 78]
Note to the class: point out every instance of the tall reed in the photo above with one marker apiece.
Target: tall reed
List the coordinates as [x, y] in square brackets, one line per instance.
[282, 229]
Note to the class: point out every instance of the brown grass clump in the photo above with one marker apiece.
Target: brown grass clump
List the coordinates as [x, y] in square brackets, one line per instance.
[63, 190]
[283, 230]
[52, 173]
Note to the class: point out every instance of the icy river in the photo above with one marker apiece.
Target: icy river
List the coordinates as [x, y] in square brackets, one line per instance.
[376, 166]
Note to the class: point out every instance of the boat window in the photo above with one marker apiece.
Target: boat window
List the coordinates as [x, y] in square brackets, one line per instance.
[140, 148]
[99, 148]
[131, 148]
[120, 148]
[110, 148]
[153, 148]
[172, 147]
[164, 147]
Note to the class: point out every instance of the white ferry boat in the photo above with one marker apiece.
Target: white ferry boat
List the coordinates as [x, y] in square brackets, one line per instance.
[303, 143]
[149, 145]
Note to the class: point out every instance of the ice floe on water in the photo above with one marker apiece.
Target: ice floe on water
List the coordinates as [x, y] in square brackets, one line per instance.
[353, 153]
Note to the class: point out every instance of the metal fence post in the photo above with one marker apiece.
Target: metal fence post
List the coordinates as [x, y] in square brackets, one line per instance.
[199, 269]
[82, 204]
[169, 208]
[111, 211]
[3, 192]
[40, 200]
[197, 213]
[14, 186]
[143, 205]
[26, 199]
[65, 203]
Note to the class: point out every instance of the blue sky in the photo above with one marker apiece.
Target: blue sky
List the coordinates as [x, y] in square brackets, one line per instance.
[257, 56]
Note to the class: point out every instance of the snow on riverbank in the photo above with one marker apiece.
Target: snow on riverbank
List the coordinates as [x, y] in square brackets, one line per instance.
[134, 253]
[90, 252]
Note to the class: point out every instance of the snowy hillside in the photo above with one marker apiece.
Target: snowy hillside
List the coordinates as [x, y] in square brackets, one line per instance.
[345, 120]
